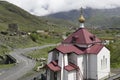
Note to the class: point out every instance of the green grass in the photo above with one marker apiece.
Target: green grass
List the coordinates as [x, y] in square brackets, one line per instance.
[115, 53]
[45, 39]
[14, 14]
[4, 50]
[113, 47]
[40, 53]
[6, 66]
[28, 23]
[16, 42]
[25, 20]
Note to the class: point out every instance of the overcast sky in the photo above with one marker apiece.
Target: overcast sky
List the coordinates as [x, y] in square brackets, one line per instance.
[44, 7]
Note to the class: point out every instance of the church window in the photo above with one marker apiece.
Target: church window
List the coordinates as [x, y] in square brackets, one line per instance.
[55, 55]
[71, 58]
[55, 75]
[103, 63]
[106, 62]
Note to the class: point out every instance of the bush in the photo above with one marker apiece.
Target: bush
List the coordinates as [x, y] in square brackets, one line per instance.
[34, 37]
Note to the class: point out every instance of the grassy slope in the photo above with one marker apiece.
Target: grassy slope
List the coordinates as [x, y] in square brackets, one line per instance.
[43, 53]
[115, 53]
[10, 13]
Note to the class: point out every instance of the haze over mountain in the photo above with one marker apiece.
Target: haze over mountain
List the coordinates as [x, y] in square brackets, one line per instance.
[94, 17]
[45, 7]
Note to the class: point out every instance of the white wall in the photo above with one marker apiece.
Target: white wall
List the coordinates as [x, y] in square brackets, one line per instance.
[58, 75]
[103, 72]
[65, 59]
[65, 75]
[81, 62]
[49, 57]
[92, 66]
[60, 60]
[48, 74]
[72, 75]
[61, 63]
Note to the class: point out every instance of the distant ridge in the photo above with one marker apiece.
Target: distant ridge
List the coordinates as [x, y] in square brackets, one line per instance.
[94, 17]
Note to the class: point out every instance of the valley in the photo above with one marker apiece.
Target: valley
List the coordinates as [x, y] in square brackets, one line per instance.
[30, 31]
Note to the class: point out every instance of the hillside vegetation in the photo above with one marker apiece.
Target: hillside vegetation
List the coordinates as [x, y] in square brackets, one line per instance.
[94, 17]
[10, 13]
[114, 44]
[26, 22]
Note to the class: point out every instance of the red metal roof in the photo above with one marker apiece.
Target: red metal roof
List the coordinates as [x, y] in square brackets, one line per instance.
[71, 67]
[69, 48]
[82, 36]
[54, 66]
[95, 49]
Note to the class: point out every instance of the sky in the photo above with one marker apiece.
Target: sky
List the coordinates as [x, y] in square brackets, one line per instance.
[45, 7]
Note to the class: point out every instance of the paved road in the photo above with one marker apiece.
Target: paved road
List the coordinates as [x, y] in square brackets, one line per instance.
[24, 64]
[114, 77]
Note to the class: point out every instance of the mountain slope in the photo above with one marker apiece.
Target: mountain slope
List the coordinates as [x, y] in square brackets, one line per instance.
[10, 13]
[94, 17]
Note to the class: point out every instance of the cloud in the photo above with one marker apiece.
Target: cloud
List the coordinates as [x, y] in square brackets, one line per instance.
[44, 7]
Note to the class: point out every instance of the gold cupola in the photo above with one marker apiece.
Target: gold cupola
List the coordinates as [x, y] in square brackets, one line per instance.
[81, 19]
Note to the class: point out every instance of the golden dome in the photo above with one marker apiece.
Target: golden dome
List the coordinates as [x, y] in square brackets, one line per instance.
[81, 19]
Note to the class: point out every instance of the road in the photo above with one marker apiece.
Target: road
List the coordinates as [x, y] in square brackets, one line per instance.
[24, 64]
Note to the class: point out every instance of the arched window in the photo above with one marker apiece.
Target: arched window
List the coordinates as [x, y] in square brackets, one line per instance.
[106, 62]
[55, 55]
[103, 63]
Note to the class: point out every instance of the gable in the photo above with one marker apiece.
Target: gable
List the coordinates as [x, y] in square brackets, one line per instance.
[104, 51]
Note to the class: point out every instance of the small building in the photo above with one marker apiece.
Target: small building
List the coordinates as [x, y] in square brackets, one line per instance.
[81, 56]
[13, 27]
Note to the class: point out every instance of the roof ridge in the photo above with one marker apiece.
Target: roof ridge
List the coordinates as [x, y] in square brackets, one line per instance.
[84, 36]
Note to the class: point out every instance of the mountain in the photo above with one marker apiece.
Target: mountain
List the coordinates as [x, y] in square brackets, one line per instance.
[10, 13]
[94, 17]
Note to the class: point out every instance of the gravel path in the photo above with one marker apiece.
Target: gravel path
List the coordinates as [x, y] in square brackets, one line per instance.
[24, 64]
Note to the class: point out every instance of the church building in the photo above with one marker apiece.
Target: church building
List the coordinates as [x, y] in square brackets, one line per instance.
[81, 56]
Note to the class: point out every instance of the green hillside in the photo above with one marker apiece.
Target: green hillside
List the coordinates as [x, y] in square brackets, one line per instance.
[10, 13]
[26, 22]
